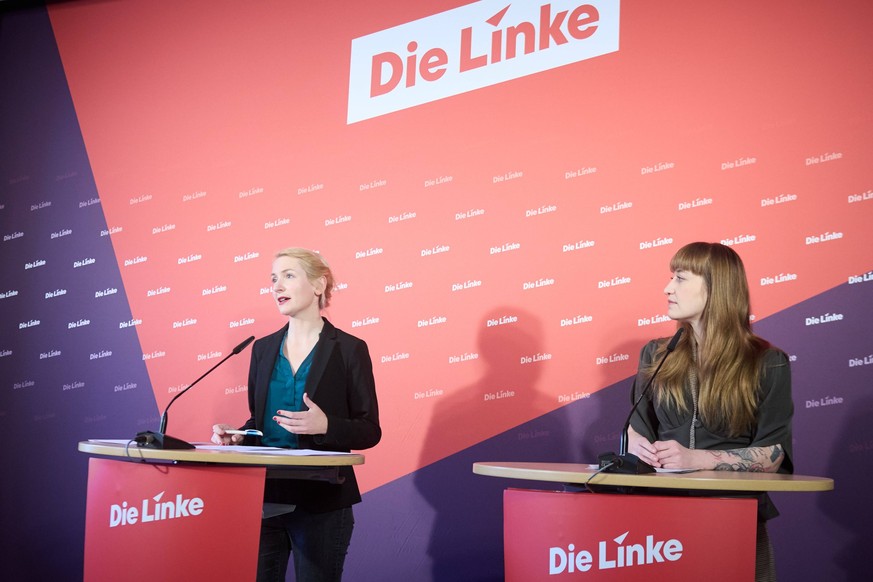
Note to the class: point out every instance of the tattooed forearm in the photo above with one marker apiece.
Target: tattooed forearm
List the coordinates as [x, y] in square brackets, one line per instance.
[754, 459]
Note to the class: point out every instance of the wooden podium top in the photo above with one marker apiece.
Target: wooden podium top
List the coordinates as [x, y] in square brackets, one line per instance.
[700, 480]
[226, 455]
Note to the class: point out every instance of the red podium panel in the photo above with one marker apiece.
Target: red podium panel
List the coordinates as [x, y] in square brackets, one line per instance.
[557, 536]
[166, 522]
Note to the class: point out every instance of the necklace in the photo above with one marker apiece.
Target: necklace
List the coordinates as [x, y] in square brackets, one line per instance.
[693, 381]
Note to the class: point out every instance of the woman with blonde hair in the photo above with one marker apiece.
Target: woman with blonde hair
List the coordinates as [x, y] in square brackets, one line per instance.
[722, 400]
[310, 386]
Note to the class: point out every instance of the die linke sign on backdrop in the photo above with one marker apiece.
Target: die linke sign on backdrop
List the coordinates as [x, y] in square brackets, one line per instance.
[552, 535]
[474, 46]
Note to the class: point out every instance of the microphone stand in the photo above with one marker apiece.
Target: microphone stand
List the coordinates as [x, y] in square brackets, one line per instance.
[161, 440]
[624, 462]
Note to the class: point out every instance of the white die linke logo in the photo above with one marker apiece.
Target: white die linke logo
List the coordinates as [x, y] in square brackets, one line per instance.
[571, 560]
[154, 510]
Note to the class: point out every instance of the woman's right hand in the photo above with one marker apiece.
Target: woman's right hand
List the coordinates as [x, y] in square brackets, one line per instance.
[642, 448]
[220, 437]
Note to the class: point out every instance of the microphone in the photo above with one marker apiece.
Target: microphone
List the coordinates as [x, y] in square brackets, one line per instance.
[161, 440]
[625, 462]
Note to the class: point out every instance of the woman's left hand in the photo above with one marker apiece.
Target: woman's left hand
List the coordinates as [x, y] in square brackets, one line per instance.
[312, 421]
[672, 455]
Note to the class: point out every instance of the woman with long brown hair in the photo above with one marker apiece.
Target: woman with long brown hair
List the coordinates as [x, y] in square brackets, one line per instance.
[722, 400]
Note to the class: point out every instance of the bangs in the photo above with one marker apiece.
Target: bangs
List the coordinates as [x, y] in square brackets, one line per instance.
[693, 257]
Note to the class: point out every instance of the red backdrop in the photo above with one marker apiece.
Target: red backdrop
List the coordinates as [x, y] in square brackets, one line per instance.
[503, 250]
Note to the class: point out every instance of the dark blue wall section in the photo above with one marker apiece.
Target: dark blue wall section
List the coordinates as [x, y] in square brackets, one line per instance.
[69, 370]
[825, 536]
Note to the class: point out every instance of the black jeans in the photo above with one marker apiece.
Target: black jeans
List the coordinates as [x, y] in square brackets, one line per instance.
[319, 542]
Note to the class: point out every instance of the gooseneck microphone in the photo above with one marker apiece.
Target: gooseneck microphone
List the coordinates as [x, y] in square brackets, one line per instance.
[161, 440]
[625, 462]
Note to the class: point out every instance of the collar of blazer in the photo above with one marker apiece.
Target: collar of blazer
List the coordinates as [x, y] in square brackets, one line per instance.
[327, 342]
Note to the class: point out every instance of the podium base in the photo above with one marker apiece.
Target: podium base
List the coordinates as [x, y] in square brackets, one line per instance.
[157, 440]
[627, 464]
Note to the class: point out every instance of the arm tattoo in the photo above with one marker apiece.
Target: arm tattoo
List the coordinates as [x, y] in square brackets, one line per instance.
[753, 459]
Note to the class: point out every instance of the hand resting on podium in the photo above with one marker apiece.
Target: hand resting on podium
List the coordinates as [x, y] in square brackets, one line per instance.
[672, 455]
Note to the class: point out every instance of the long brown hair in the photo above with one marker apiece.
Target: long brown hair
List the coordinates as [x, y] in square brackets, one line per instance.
[728, 363]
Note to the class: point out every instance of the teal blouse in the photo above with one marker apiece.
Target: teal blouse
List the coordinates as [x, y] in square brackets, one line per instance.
[285, 393]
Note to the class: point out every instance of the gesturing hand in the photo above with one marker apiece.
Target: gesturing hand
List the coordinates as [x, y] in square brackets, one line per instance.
[312, 421]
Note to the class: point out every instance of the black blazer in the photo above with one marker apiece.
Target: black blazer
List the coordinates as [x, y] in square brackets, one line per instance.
[341, 383]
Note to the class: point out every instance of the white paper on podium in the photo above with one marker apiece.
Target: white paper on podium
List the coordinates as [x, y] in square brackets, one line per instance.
[240, 449]
[595, 466]
[266, 450]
